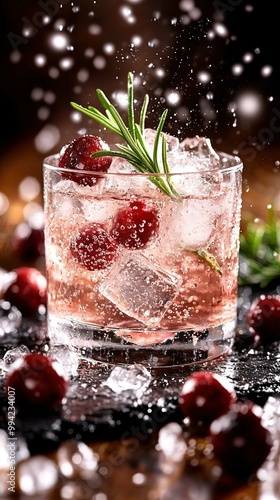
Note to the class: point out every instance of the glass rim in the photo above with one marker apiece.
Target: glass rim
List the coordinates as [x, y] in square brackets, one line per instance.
[236, 164]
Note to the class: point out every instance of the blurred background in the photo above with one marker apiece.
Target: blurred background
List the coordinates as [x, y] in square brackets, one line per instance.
[214, 64]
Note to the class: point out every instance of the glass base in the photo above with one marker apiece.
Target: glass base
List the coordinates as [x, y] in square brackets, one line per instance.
[180, 348]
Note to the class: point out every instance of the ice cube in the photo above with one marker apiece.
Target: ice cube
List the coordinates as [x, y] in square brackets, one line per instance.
[100, 211]
[123, 178]
[10, 316]
[4, 454]
[3, 369]
[37, 475]
[66, 357]
[172, 143]
[76, 460]
[171, 441]
[201, 149]
[190, 176]
[134, 378]
[140, 289]
[191, 225]
[17, 352]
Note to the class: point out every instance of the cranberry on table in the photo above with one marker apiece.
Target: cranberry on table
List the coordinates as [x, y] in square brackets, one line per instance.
[26, 288]
[135, 225]
[206, 396]
[240, 441]
[76, 155]
[264, 318]
[93, 247]
[28, 242]
[37, 380]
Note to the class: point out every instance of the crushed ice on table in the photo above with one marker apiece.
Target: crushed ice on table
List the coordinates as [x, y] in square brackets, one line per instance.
[37, 475]
[66, 357]
[269, 472]
[13, 354]
[10, 317]
[171, 441]
[140, 289]
[3, 369]
[76, 460]
[134, 379]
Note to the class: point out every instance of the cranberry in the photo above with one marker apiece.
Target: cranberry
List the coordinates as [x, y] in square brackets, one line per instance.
[76, 155]
[28, 241]
[26, 288]
[240, 441]
[136, 225]
[37, 380]
[206, 396]
[264, 318]
[93, 247]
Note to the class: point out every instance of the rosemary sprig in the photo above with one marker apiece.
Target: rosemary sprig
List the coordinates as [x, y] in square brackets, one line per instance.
[260, 250]
[134, 150]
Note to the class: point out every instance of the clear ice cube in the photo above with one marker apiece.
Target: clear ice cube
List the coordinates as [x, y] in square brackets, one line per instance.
[201, 149]
[172, 143]
[37, 475]
[13, 354]
[134, 378]
[66, 357]
[76, 460]
[123, 178]
[171, 441]
[140, 289]
[193, 224]
[10, 317]
[3, 369]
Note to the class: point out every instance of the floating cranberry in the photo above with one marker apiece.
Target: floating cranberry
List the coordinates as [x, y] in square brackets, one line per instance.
[264, 318]
[26, 288]
[240, 441]
[93, 247]
[206, 396]
[135, 225]
[76, 155]
[37, 380]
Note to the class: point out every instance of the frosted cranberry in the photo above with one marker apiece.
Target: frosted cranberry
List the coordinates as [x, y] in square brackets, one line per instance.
[76, 155]
[26, 288]
[264, 318]
[135, 225]
[206, 396]
[37, 380]
[240, 441]
[93, 247]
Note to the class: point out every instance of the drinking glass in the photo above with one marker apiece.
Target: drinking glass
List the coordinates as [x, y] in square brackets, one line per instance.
[136, 275]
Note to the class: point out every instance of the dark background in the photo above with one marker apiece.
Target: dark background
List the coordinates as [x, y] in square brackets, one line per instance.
[183, 38]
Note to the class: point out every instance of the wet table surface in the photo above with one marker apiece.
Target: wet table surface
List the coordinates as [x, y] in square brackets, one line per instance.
[122, 426]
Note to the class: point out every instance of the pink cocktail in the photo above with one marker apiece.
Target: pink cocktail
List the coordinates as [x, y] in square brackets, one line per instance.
[139, 274]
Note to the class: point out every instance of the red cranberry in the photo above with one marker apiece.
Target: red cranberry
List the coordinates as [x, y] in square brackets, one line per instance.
[240, 441]
[264, 318]
[26, 289]
[28, 241]
[206, 396]
[135, 225]
[76, 155]
[37, 380]
[93, 247]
